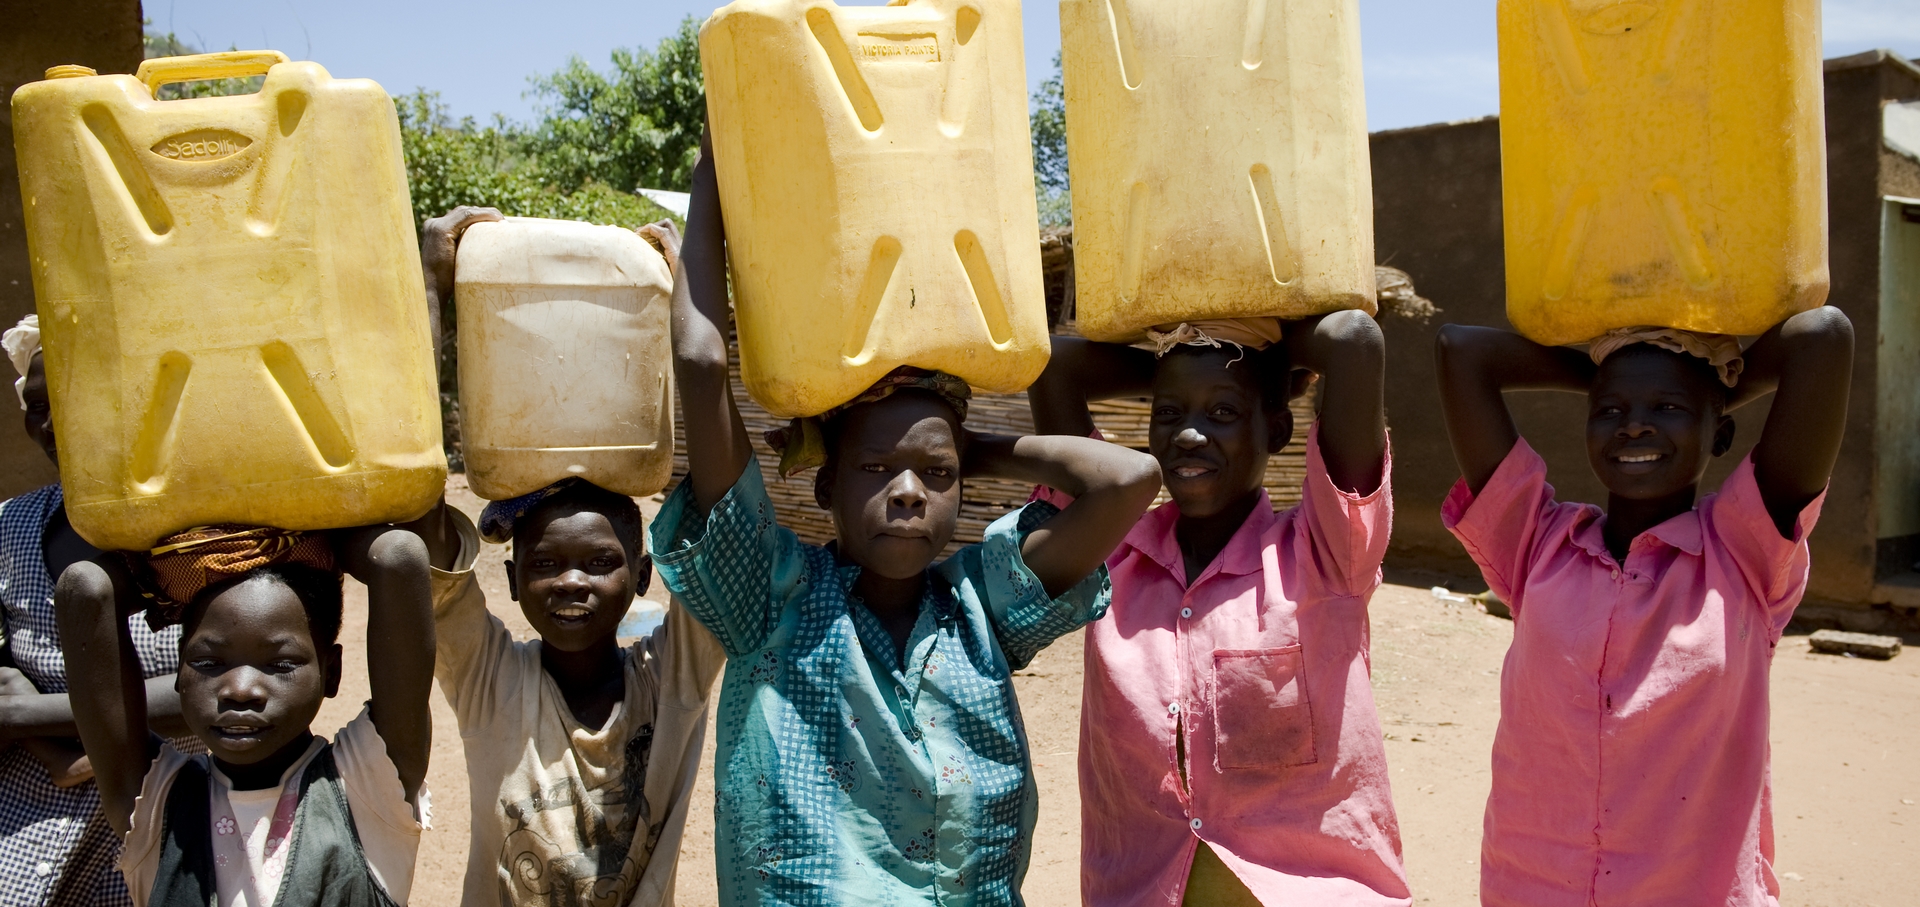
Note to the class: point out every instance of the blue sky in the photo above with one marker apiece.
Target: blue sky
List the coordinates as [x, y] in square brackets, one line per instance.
[1426, 60]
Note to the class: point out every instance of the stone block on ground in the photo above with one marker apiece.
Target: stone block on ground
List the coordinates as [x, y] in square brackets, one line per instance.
[1863, 645]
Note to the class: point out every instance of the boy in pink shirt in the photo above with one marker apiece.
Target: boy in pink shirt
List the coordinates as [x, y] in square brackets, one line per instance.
[1631, 762]
[1230, 750]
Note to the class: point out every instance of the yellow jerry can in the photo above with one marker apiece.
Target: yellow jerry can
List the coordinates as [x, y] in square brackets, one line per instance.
[1663, 163]
[1218, 150]
[876, 174]
[565, 360]
[230, 299]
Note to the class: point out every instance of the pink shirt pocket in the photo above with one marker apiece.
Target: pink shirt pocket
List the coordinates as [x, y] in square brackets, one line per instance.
[1263, 717]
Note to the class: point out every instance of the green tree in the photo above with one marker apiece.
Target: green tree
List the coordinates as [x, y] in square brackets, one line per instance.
[452, 163]
[1048, 115]
[637, 126]
[460, 162]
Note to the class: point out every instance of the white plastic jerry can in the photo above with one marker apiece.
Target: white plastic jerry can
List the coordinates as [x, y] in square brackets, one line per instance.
[565, 359]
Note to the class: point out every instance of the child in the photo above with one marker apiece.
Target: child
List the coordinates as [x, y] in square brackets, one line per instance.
[870, 745]
[1631, 761]
[273, 816]
[55, 847]
[1230, 751]
[581, 755]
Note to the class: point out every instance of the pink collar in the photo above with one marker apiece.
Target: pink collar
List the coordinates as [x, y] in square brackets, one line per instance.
[1681, 532]
[1153, 538]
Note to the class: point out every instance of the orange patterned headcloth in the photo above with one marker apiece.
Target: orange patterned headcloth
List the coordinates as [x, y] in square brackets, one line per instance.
[185, 563]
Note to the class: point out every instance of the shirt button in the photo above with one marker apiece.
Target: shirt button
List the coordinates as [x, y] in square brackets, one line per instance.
[43, 869]
[1186, 612]
[1173, 708]
[1196, 824]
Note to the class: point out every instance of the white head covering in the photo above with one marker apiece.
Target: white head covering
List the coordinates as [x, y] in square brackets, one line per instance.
[1242, 333]
[22, 342]
[1722, 351]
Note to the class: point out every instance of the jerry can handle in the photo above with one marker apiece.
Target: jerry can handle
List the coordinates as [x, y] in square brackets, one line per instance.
[227, 64]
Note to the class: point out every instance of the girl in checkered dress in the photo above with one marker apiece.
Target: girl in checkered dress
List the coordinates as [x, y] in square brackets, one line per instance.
[55, 847]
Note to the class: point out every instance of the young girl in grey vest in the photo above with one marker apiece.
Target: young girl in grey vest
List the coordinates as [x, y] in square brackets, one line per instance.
[272, 816]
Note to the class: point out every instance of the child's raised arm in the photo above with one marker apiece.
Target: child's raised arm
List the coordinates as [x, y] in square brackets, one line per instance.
[439, 239]
[437, 531]
[1347, 349]
[1807, 361]
[717, 446]
[91, 603]
[1112, 486]
[392, 562]
[1080, 372]
[1475, 365]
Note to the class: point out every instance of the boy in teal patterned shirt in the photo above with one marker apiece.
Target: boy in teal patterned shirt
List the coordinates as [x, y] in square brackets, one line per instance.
[870, 746]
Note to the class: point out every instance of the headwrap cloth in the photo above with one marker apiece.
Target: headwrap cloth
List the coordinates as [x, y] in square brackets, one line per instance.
[1241, 333]
[498, 519]
[1722, 351]
[802, 445]
[184, 564]
[22, 343]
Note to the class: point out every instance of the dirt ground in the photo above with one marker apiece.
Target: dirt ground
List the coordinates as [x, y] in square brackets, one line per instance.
[1845, 737]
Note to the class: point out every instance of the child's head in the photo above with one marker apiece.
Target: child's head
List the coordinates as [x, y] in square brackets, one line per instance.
[1655, 419]
[259, 652]
[892, 480]
[1218, 412]
[579, 560]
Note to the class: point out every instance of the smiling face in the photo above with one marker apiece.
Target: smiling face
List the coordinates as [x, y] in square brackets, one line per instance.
[1654, 422]
[39, 415]
[251, 675]
[1211, 431]
[573, 576]
[894, 486]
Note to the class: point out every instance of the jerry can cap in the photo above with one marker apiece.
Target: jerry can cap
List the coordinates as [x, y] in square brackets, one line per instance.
[70, 71]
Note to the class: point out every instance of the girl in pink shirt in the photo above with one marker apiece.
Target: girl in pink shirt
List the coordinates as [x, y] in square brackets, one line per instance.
[1631, 762]
[1230, 751]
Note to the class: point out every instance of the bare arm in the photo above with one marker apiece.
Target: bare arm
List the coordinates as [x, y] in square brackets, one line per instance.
[110, 697]
[439, 239]
[717, 446]
[26, 713]
[1475, 365]
[436, 530]
[1807, 361]
[1080, 372]
[1112, 486]
[393, 564]
[1347, 349]
[63, 758]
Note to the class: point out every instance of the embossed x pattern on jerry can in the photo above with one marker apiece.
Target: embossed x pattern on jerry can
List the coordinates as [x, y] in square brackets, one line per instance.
[876, 174]
[1663, 163]
[229, 291]
[1219, 157]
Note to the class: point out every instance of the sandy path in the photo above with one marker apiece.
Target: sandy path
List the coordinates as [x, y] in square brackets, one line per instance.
[1845, 737]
